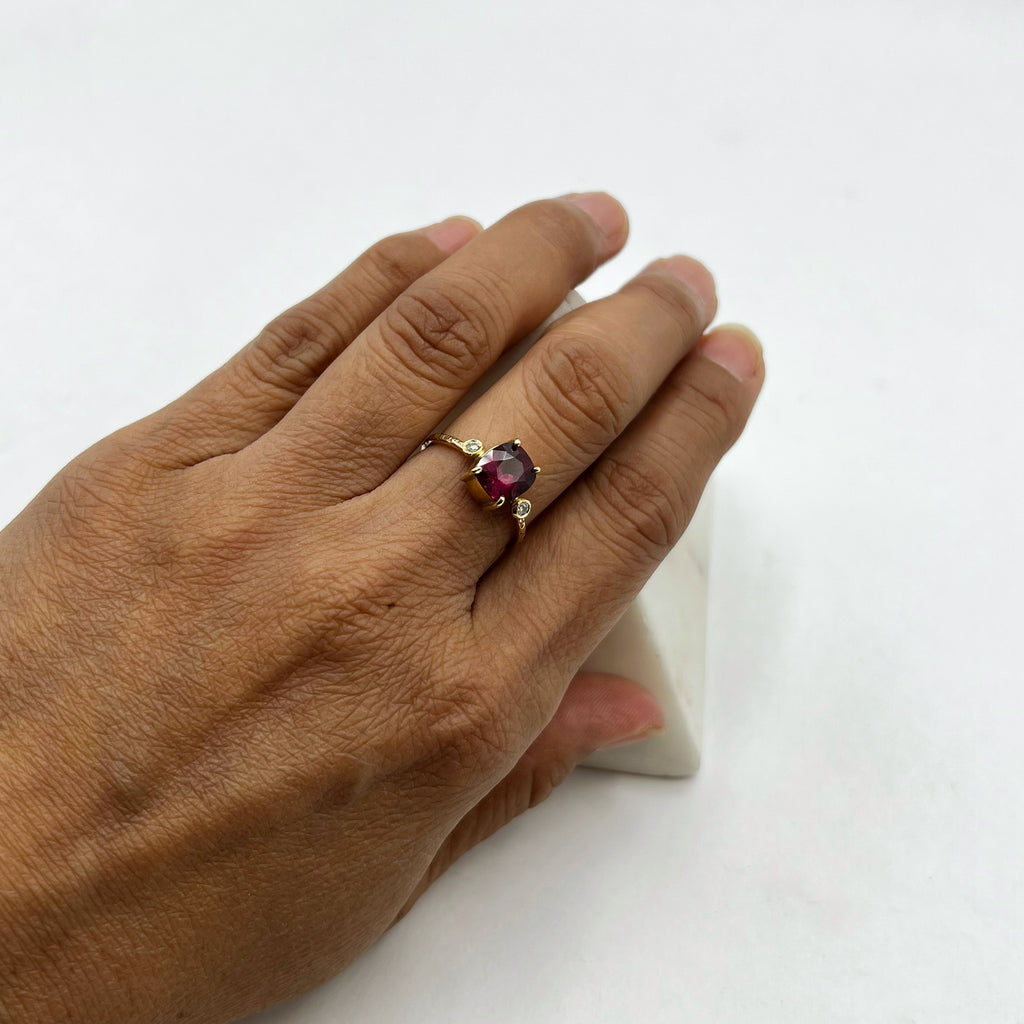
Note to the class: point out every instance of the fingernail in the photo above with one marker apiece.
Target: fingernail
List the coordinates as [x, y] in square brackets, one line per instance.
[452, 233]
[735, 348]
[637, 737]
[607, 213]
[694, 275]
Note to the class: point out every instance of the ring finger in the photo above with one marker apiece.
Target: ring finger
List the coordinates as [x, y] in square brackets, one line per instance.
[595, 549]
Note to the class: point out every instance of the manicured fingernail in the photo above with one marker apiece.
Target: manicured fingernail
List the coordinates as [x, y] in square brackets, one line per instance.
[694, 275]
[735, 348]
[607, 213]
[637, 737]
[453, 233]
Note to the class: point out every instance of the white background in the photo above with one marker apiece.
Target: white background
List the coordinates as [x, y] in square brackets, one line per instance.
[852, 850]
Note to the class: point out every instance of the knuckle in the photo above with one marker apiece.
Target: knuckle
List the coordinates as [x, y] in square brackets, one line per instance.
[378, 601]
[396, 261]
[103, 480]
[468, 728]
[501, 302]
[224, 544]
[673, 298]
[440, 334]
[299, 343]
[362, 600]
[648, 499]
[579, 393]
[712, 411]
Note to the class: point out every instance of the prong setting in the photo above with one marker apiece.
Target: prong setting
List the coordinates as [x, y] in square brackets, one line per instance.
[498, 476]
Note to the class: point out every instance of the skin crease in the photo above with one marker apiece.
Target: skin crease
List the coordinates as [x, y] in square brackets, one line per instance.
[263, 676]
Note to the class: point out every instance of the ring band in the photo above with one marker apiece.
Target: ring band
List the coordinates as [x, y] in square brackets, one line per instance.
[498, 476]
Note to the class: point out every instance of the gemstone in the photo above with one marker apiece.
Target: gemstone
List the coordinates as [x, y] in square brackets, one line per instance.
[521, 508]
[505, 471]
[472, 447]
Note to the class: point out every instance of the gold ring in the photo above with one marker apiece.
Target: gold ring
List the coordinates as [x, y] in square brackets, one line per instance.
[498, 476]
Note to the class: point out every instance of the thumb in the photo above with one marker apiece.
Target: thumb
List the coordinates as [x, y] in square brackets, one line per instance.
[598, 711]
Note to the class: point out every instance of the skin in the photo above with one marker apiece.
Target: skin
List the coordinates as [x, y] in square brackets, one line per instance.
[263, 677]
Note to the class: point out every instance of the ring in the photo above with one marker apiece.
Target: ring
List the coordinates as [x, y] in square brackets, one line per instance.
[498, 476]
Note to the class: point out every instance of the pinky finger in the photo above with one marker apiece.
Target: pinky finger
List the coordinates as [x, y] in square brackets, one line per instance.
[592, 551]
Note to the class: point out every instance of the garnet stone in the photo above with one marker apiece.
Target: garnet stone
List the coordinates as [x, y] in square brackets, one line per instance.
[505, 471]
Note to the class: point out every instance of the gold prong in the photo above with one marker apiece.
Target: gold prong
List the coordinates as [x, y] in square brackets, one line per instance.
[470, 473]
[536, 469]
[518, 443]
[495, 504]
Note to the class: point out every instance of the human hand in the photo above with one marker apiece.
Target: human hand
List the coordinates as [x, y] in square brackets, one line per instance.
[262, 679]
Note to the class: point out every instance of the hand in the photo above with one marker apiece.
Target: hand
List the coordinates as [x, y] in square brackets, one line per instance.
[262, 679]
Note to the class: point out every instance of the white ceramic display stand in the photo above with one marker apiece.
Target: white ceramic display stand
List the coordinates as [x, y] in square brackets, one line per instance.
[660, 640]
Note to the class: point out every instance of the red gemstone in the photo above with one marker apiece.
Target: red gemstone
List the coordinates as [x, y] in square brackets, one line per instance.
[505, 471]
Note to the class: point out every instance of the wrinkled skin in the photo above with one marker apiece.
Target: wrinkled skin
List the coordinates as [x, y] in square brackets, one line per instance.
[263, 676]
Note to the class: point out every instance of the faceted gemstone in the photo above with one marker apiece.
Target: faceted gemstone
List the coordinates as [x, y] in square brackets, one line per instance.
[472, 446]
[505, 471]
[521, 507]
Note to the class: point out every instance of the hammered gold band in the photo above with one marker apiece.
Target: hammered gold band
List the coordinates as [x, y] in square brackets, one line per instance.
[498, 476]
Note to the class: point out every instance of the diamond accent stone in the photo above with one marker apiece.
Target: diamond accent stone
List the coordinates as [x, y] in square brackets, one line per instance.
[472, 447]
[505, 471]
[521, 508]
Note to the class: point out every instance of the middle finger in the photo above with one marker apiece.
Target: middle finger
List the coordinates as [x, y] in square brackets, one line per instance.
[412, 365]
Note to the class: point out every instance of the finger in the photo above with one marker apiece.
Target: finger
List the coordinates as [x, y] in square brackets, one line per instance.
[256, 387]
[588, 556]
[566, 400]
[394, 383]
[598, 711]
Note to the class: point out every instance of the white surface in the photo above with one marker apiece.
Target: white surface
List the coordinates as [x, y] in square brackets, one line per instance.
[852, 847]
[662, 639]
